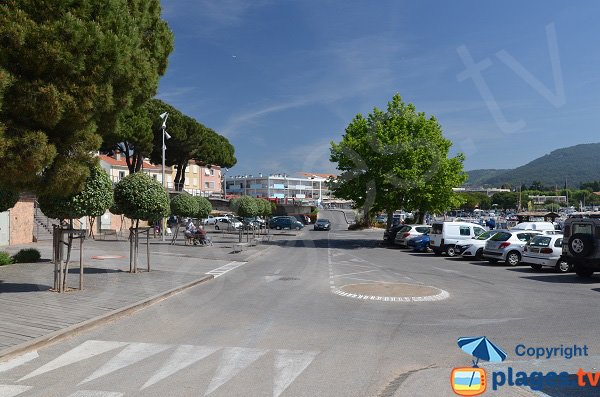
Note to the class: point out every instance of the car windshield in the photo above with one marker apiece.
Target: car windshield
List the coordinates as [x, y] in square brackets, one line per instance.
[486, 235]
[323, 221]
[540, 241]
[501, 236]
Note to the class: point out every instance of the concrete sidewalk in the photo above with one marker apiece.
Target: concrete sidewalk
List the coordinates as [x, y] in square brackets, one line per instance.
[31, 315]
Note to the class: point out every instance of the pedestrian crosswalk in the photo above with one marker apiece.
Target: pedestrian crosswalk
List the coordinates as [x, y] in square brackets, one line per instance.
[225, 268]
[285, 366]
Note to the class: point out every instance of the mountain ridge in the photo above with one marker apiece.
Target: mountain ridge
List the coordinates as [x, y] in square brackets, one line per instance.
[571, 165]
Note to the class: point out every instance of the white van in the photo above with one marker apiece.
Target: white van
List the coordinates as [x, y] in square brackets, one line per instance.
[539, 226]
[445, 235]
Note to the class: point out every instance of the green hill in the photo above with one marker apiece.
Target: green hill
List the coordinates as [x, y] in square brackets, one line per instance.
[575, 164]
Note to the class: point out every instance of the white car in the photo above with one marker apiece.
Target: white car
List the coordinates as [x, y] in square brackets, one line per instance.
[211, 220]
[409, 232]
[227, 223]
[546, 251]
[507, 245]
[473, 247]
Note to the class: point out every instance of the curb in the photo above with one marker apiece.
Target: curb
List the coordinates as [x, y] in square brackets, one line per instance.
[72, 330]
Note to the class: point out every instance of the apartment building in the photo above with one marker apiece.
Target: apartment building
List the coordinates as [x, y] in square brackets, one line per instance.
[306, 188]
[201, 180]
[117, 169]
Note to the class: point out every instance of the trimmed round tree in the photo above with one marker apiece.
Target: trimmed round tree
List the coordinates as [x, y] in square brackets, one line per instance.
[8, 198]
[247, 207]
[184, 204]
[204, 207]
[140, 196]
[234, 204]
[264, 207]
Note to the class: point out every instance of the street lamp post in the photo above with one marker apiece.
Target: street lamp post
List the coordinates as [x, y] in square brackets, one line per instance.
[164, 116]
[224, 174]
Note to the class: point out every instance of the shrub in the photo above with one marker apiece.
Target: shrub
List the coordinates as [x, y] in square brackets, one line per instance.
[184, 204]
[204, 207]
[139, 196]
[28, 255]
[247, 207]
[5, 259]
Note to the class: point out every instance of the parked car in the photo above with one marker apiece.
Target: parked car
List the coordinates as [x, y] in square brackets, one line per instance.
[540, 226]
[419, 243]
[473, 247]
[445, 235]
[546, 251]
[285, 222]
[581, 244]
[381, 219]
[211, 220]
[410, 231]
[507, 246]
[390, 234]
[322, 224]
[227, 223]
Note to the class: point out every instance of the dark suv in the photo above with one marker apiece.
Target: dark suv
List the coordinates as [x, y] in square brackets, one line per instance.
[581, 244]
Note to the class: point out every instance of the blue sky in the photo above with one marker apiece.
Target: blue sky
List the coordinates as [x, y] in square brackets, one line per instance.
[282, 78]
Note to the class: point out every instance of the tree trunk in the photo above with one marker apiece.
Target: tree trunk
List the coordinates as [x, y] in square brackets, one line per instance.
[390, 219]
[420, 220]
[178, 185]
[139, 162]
[181, 169]
[91, 220]
[128, 159]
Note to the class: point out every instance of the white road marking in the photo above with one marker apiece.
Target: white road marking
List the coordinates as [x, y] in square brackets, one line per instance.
[349, 274]
[18, 361]
[234, 360]
[269, 279]
[84, 351]
[289, 364]
[183, 357]
[448, 270]
[225, 268]
[95, 393]
[132, 354]
[11, 391]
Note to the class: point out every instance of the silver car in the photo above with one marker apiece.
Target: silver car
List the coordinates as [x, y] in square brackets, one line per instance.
[409, 232]
[507, 246]
[546, 251]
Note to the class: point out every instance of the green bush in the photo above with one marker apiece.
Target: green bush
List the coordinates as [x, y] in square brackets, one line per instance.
[28, 255]
[5, 259]
[184, 204]
[204, 207]
[139, 196]
[8, 198]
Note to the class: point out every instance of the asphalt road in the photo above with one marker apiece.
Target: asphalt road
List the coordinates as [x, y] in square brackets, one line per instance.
[279, 326]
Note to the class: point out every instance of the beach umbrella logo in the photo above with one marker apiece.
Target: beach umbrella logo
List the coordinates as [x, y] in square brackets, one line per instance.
[471, 381]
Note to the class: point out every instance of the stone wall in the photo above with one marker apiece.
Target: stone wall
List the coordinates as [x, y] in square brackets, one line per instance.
[21, 221]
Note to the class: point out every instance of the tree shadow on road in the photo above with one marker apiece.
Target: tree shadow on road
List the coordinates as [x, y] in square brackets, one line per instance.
[21, 287]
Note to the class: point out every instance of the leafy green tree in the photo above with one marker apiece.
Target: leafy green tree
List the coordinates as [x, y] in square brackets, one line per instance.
[396, 159]
[8, 198]
[68, 69]
[190, 140]
[506, 200]
[472, 200]
[264, 207]
[139, 196]
[204, 207]
[184, 204]
[247, 206]
[591, 186]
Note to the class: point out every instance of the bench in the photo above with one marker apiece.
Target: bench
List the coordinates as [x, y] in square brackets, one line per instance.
[109, 232]
[239, 247]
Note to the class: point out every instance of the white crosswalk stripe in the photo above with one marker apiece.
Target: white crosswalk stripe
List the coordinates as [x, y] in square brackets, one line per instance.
[84, 351]
[132, 354]
[95, 393]
[234, 360]
[11, 391]
[18, 361]
[225, 268]
[182, 358]
[287, 365]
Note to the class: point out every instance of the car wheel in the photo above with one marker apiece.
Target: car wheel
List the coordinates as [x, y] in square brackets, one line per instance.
[479, 254]
[278, 227]
[580, 245]
[583, 271]
[513, 258]
[536, 267]
[297, 227]
[562, 266]
[451, 251]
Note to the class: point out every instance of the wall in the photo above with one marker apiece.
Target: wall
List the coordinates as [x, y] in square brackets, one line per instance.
[21, 221]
